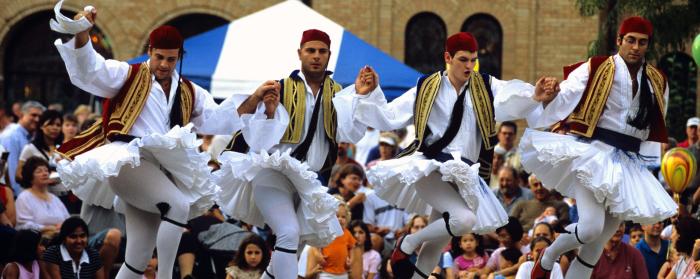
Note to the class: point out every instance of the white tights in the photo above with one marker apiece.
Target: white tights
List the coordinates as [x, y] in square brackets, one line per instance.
[140, 189]
[433, 238]
[274, 197]
[595, 227]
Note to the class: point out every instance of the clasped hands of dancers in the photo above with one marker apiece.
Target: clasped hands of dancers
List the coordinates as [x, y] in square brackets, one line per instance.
[286, 134]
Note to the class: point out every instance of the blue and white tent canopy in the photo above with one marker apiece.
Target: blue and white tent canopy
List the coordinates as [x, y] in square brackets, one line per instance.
[236, 58]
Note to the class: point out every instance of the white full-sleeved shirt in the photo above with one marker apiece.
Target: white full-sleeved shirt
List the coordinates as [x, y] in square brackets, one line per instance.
[89, 71]
[399, 113]
[621, 105]
[34, 213]
[267, 136]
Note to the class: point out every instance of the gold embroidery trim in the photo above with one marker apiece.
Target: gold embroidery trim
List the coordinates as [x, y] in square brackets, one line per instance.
[658, 85]
[329, 114]
[295, 104]
[128, 110]
[483, 107]
[596, 96]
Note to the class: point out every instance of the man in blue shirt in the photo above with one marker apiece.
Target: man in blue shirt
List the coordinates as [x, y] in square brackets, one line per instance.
[16, 136]
[653, 248]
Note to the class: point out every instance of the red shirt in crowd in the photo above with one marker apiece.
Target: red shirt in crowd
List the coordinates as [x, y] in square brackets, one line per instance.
[628, 264]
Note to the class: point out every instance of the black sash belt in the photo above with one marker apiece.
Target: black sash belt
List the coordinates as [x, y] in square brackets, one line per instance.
[122, 138]
[444, 157]
[617, 140]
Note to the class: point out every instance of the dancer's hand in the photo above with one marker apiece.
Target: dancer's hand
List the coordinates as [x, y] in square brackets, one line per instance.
[271, 99]
[546, 89]
[366, 81]
[83, 37]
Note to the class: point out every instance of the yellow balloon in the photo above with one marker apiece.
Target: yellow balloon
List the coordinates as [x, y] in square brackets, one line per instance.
[678, 167]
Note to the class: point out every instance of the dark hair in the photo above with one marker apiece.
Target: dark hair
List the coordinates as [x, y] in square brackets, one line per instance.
[69, 117]
[87, 124]
[539, 239]
[368, 239]
[636, 227]
[256, 240]
[509, 124]
[511, 254]
[513, 228]
[69, 226]
[28, 169]
[24, 246]
[349, 169]
[47, 117]
[456, 250]
[548, 225]
[511, 169]
[688, 230]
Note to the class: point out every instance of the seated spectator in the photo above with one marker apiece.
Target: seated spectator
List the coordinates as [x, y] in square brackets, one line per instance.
[671, 261]
[388, 148]
[653, 248]
[536, 247]
[192, 251]
[70, 257]
[70, 127]
[534, 211]
[620, 260]
[250, 261]
[509, 191]
[15, 137]
[335, 260]
[349, 185]
[470, 257]
[82, 113]
[507, 259]
[48, 137]
[507, 133]
[38, 209]
[24, 256]
[547, 231]
[686, 240]
[371, 260]
[8, 213]
[509, 236]
[151, 269]
[636, 234]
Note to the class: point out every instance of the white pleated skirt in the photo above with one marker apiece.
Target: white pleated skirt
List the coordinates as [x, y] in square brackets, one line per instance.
[176, 152]
[395, 181]
[619, 180]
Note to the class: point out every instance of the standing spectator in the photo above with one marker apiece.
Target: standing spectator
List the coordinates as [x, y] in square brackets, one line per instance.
[37, 208]
[528, 211]
[371, 260]
[70, 127]
[691, 131]
[686, 241]
[71, 258]
[48, 137]
[251, 259]
[506, 140]
[388, 148]
[15, 137]
[653, 248]
[509, 191]
[620, 260]
[5, 119]
[24, 254]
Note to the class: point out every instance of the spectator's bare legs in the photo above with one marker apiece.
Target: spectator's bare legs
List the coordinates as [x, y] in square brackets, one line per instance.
[186, 263]
[110, 250]
[443, 198]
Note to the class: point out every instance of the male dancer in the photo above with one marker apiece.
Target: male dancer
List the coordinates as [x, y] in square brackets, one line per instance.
[607, 108]
[454, 115]
[139, 146]
[284, 153]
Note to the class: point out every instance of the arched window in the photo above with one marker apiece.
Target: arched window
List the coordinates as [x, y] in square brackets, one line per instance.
[681, 74]
[193, 24]
[425, 42]
[33, 69]
[489, 35]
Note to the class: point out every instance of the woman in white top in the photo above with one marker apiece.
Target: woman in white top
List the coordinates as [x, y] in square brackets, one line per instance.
[38, 209]
[44, 145]
[686, 240]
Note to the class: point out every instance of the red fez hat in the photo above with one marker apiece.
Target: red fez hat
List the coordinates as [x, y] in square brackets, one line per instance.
[315, 35]
[636, 24]
[461, 41]
[165, 37]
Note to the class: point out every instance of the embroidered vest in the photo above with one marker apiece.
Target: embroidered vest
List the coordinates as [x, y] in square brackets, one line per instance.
[482, 100]
[120, 112]
[584, 119]
[293, 98]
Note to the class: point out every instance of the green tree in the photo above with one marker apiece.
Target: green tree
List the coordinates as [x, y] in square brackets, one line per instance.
[675, 22]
